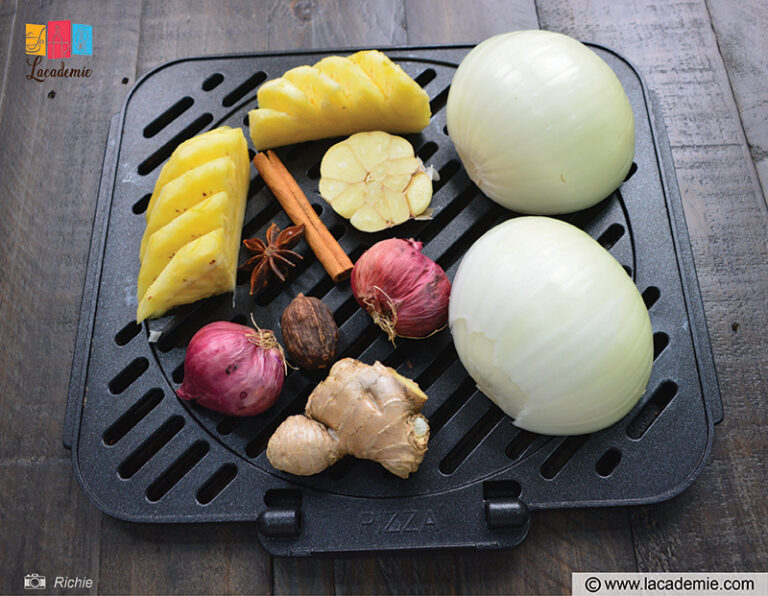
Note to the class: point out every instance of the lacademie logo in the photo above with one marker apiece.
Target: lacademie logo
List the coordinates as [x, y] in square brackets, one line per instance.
[57, 40]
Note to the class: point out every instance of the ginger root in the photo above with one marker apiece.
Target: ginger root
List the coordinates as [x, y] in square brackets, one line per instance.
[370, 412]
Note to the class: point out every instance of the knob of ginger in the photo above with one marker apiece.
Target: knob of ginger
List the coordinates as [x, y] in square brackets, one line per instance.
[370, 412]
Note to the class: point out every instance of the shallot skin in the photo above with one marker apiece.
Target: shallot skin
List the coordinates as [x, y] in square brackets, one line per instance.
[228, 371]
[404, 291]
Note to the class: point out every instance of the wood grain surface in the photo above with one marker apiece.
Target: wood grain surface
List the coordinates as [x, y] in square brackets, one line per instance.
[7, 18]
[743, 44]
[704, 62]
[53, 138]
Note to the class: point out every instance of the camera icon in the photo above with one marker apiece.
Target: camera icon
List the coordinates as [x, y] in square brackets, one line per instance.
[33, 581]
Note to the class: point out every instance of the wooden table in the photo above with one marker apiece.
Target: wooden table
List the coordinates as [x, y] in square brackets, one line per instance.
[706, 63]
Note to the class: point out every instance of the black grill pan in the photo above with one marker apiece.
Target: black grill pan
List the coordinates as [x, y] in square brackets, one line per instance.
[143, 455]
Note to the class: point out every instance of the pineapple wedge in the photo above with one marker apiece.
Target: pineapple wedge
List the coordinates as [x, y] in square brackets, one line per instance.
[284, 96]
[359, 89]
[338, 96]
[201, 268]
[397, 87]
[374, 180]
[188, 190]
[194, 221]
[214, 212]
[194, 152]
[280, 128]
[325, 95]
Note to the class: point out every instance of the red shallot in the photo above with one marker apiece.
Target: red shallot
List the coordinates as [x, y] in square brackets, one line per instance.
[233, 369]
[404, 291]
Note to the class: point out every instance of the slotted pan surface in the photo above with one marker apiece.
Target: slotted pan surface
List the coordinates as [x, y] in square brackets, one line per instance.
[141, 454]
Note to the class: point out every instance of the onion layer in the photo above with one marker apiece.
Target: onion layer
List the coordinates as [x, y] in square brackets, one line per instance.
[233, 369]
[551, 327]
[541, 122]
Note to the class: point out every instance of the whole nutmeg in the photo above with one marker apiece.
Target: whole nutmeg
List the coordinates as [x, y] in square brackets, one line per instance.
[310, 333]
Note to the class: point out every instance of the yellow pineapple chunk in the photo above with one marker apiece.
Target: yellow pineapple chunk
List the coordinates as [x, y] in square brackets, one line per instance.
[325, 95]
[283, 96]
[194, 152]
[188, 190]
[361, 92]
[199, 269]
[214, 212]
[404, 95]
[374, 180]
[280, 128]
[194, 222]
[338, 96]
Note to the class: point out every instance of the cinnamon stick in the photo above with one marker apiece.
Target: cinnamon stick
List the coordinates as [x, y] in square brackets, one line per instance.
[295, 203]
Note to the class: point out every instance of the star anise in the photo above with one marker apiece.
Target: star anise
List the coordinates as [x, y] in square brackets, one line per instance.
[272, 257]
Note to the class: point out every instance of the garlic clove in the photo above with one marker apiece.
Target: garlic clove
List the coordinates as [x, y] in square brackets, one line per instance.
[403, 165]
[399, 147]
[419, 193]
[367, 219]
[370, 149]
[397, 183]
[330, 188]
[350, 200]
[396, 206]
[341, 163]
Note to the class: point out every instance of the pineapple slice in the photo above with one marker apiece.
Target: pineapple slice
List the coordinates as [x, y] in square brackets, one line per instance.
[361, 92]
[200, 269]
[397, 87]
[214, 212]
[194, 152]
[374, 180]
[284, 96]
[280, 128]
[338, 96]
[325, 95]
[187, 190]
[194, 220]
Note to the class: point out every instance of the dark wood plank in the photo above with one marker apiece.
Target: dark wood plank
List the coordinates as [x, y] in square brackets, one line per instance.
[7, 16]
[54, 134]
[182, 559]
[179, 29]
[740, 31]
[48, 525]
[719, 523]
[302, 576]
[457, 21]
[335, 23]
[199, 559]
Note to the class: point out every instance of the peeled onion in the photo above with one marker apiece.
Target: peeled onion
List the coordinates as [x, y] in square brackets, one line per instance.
[540, 122]
[551, 327]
